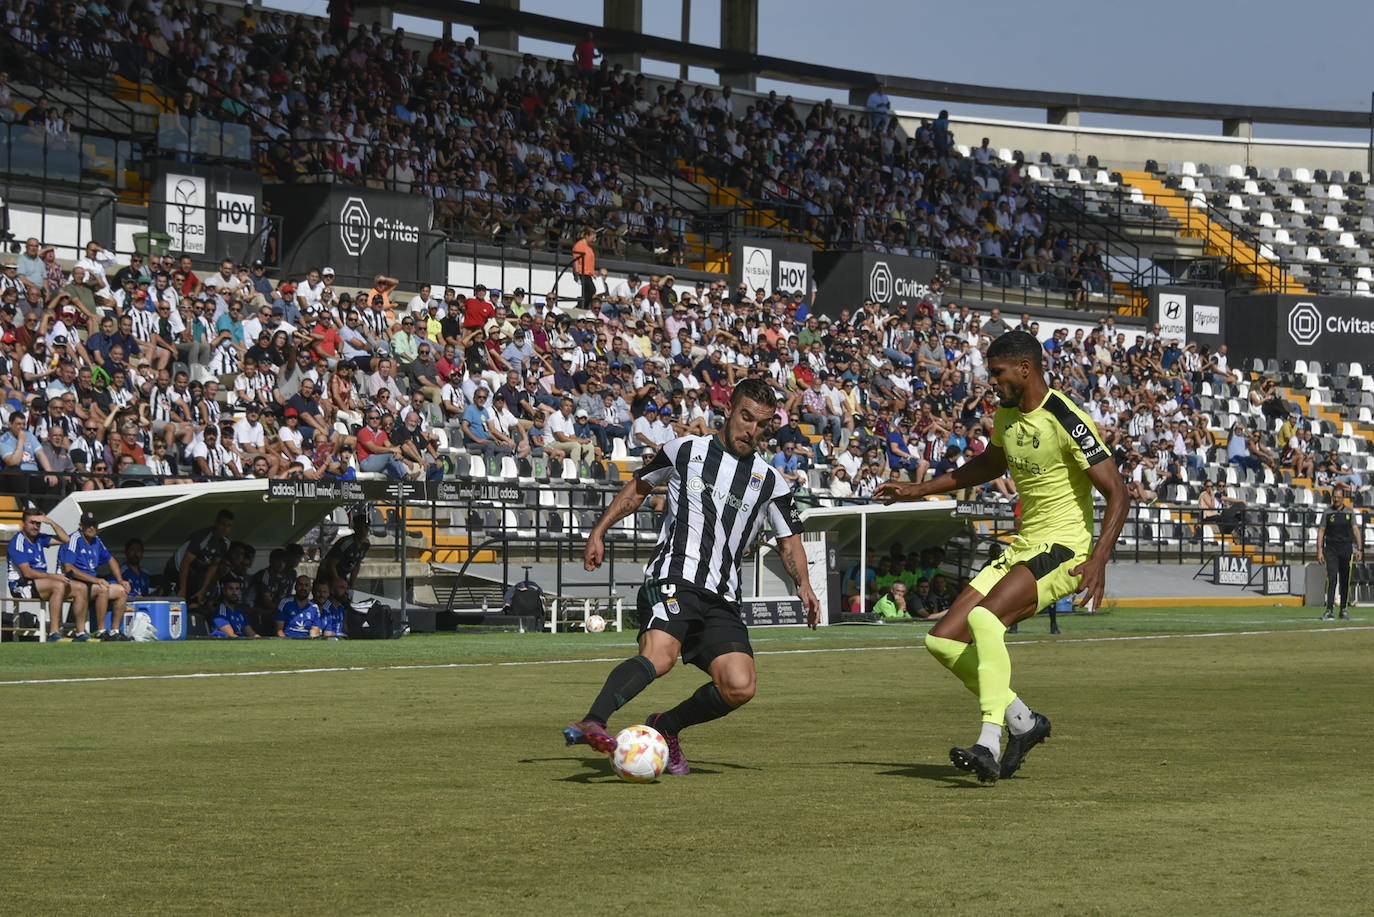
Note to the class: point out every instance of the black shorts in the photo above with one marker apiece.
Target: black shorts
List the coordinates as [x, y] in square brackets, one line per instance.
[705, 624]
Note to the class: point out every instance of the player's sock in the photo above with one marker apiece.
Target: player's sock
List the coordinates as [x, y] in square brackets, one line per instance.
[991, 738]
[1020, 718]
[704, 705]
[959, 658]
[994, 665]
[625, 681]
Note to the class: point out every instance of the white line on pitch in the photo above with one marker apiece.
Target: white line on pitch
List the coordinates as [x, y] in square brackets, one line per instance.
[605, 659]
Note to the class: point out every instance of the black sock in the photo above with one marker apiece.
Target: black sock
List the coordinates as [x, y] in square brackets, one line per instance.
[704, 705]
[625, 681]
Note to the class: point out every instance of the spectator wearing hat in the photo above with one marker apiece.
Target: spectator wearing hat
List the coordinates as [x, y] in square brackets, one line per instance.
[10, 280]
[562, 426]
[477, 310]
[81, 559]
[644, 433]
[476, 425]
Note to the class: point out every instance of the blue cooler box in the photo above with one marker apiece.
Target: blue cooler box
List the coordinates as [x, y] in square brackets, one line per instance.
[169, 617]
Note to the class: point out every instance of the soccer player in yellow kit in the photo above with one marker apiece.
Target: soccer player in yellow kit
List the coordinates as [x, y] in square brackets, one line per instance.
[1056, 458]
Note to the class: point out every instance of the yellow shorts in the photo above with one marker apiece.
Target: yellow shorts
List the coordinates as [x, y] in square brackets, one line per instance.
[1048, 562]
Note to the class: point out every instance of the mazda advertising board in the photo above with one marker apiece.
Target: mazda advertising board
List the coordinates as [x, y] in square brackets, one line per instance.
[771, 265]
[210, 212]
[1330, 329]
[359, 232]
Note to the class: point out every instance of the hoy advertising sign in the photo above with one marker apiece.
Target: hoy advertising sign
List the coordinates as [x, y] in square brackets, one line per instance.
[772, 265]
[210, 212]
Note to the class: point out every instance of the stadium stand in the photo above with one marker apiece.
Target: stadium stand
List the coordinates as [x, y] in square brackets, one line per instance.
[524, 152]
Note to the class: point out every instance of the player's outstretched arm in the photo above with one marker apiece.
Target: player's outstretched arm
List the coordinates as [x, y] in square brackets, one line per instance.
[1107, 479]
[794, 562]
[978, 470]
[624, 504]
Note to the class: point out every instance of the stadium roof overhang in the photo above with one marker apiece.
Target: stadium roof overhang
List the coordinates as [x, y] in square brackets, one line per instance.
[163, 515]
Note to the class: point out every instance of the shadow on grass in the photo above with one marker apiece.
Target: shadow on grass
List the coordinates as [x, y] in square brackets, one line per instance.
[597, 768]
[941, 773]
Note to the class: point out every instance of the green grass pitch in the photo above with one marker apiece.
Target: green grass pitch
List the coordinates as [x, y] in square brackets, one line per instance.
[1223, 768]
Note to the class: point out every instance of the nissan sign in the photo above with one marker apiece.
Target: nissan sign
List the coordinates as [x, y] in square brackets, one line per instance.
[771, 266]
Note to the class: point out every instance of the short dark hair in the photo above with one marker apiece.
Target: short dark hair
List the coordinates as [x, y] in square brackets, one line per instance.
[755, 390]
[1017, 345]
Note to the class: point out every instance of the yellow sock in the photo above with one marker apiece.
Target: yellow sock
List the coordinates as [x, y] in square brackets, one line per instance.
[994, 665]
[959, 658]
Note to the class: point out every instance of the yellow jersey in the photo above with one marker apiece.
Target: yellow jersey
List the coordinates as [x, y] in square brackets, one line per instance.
[1049, 451]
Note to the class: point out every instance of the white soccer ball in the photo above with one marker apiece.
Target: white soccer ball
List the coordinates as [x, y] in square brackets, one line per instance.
[640, 754]
[596, 624]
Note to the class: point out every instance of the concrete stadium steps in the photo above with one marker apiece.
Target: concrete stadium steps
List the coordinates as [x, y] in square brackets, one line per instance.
[1217, 240]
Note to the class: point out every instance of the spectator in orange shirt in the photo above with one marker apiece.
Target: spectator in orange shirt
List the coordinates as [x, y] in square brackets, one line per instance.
[382, 287]
[584, 265]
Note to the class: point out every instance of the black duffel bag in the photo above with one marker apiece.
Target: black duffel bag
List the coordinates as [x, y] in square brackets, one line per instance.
[373, 621]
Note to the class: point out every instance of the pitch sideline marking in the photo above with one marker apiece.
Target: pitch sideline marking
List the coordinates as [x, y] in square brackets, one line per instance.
[528, 662]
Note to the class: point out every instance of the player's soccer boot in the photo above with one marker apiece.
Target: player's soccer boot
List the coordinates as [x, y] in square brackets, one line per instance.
[1329, 616]
[976, 760]
[590, 732]
[1345, 615]
[677, 761]
[1018, 746]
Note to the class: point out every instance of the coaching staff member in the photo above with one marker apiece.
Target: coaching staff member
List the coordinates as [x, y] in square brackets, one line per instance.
[1338, 545]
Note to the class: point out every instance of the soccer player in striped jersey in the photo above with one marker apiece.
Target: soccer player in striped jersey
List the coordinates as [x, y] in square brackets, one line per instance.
[1056, 459]
[720, 492]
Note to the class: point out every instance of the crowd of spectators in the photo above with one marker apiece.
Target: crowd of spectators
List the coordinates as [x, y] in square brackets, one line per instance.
[531, 156]
[135, 363]
[151, 365]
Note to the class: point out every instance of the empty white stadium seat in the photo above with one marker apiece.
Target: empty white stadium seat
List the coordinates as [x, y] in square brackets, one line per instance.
[1315, 254]
[1189, 168]
[1298, 205]
[1104, 178]
[1336, 193]
[1347, 240]
[1235, 170]
[1302, 175]
[1004, 154]
[1266, 219]
[1187, 183]
[1236, 202]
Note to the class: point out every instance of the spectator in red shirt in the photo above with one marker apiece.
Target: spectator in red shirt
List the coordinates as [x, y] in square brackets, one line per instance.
[375, 452]
[585, 55]
[477, 310]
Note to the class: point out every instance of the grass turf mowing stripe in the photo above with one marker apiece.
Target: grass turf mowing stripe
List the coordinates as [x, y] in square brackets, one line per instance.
[607, 659]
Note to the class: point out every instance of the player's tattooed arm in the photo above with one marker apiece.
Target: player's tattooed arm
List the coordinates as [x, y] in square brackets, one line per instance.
[624, 504]
[794, 562]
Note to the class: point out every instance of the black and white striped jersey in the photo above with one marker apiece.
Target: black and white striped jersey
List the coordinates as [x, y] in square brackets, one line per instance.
[717, 504]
